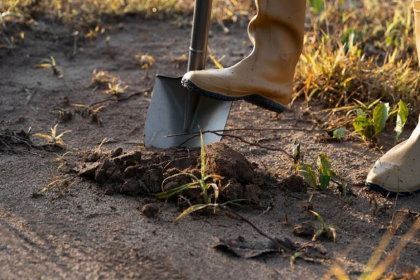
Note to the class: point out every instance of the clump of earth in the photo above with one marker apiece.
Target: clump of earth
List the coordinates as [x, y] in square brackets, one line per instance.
[147, 173]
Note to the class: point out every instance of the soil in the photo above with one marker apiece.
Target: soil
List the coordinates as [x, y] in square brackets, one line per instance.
[102, 220]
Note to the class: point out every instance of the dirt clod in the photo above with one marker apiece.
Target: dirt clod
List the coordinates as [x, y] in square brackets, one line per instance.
[150, 210]
[295, 183]
[130, 187]
[152, 179]
[305, 229]
[253, 193]
[226, 162]
[133, 174]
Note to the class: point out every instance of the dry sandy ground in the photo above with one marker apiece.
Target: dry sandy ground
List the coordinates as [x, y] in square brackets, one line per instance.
[89, 235]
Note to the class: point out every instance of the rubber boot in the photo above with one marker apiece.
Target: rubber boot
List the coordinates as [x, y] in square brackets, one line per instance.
[398, 171]
[265, 77]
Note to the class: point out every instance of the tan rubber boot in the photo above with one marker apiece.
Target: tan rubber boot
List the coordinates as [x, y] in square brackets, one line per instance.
[265, 77]
[398, 171]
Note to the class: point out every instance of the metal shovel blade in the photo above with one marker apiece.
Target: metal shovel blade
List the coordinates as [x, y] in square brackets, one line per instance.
[174, 109]
[166, 116]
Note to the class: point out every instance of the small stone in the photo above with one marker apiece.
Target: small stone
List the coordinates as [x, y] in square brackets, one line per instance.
[150, 210]
[305, 229]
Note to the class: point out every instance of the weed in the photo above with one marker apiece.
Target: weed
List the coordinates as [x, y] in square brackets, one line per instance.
[92, 111]
[93, 33]
[197, 183]
[115, 89]
[146, 61]
[63, 183]
[63, 114]
[50, 63]
[369, 120]
[54, 139]
[100, 78]
[373, 270]
[325, 229]
[61, 160]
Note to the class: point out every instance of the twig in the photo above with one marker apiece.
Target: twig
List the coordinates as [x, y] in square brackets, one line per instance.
[117, 100]
[278, 245]
[30, 96]
[250, 129]
[238, 138]
[76, 38]
[7, 146]
[19, 140]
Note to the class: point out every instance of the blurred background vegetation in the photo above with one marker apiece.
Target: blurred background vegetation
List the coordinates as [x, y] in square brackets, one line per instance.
[355, 50]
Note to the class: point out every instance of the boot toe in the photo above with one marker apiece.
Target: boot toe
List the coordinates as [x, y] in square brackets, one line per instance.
[391, 179]
[212, 84]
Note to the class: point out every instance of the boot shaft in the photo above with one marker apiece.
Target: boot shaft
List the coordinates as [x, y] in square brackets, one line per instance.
[416, 10]
[279, 24]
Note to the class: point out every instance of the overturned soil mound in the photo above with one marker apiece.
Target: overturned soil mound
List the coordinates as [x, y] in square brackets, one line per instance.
[148, 173]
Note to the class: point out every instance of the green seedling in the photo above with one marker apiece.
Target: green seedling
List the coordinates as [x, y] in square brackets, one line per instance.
[371, 120]
[54, 139]
[201, 183]
[325, 229]
[50, 63]
[339, 132]
[319, 174]
[317, 177]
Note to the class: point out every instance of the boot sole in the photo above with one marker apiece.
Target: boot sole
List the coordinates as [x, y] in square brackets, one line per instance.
[255, 99]
[386, 192]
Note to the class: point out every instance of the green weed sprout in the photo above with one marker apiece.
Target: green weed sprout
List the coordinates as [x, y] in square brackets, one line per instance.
[328, 230]
[197, 183]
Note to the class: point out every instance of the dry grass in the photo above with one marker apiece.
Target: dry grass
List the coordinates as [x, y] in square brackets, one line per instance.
[359, 49]
[365, 53]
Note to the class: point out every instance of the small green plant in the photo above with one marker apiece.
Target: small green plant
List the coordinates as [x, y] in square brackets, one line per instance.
[319, 174]
[201, 183]
[54, 139]
[371, 119]
[327, 230]
[50, 63]
[323, 168]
